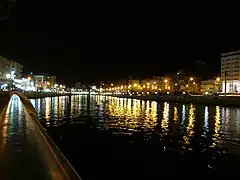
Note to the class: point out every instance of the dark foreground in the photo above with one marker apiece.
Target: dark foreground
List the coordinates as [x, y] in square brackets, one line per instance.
[134, 139]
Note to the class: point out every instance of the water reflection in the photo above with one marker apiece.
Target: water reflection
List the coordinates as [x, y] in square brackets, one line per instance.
[127, 116]
[11, 121]
[190, 128]
[165, 116]
[47, 108]
[206, 119]
[217, 125]
[175, 117]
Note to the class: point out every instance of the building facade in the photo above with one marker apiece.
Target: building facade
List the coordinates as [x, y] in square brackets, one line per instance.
[8, 66]
[230, 72]
[210, 86]
[43, 81]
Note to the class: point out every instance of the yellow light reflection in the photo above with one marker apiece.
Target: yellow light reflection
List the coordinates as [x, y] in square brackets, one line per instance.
[48, 108]
[147, 115]
[217, 128]
[153, 116]
[190, 127]
[165, 119]
[130, 115]
[175, 114]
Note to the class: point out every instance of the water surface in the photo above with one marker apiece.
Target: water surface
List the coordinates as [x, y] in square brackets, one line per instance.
[116, 138]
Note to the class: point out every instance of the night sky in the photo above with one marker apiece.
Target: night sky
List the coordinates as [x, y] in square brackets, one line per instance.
[91, 41]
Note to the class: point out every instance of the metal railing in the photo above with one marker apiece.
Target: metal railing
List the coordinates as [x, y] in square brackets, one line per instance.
[58, 167]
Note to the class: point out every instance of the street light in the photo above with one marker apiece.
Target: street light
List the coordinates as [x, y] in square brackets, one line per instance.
[11, 77]
[8, 76]
[217, 84]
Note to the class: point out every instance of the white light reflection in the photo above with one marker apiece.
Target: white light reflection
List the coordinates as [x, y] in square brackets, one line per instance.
[33, 101]
[206, 117]
[183, 114]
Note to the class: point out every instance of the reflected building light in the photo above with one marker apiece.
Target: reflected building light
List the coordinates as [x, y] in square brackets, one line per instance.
[33, 101]
[19, 106]
[227, 119]
[62, 105]
[100, 104]
[143, 105]
[175, 114]
[165, 120]
[153, 114]
[147, 108]
[183, 114]
[53, 105]
[72, 106]
[4, 131]
[129, 107]
[122, 102]
[217, 128]
[206, 117]
[238, 122]
[147, 115]
[80, 104]
[39, 104]
[134, 108]
[12, 115]
[48, 108]
[190, 127]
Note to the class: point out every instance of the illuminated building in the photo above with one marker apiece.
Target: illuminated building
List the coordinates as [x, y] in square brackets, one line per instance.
[230, 72]
[211, 86]
[7, 66]
[43, 81]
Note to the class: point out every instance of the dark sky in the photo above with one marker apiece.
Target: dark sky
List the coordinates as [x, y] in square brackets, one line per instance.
[92, 41]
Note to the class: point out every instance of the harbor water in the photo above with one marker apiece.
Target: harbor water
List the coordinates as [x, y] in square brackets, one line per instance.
[118, 138]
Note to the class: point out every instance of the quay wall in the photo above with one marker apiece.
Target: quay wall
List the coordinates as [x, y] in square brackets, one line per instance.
[214, 100]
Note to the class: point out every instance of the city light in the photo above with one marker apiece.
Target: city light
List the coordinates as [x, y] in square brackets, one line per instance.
[8, 76]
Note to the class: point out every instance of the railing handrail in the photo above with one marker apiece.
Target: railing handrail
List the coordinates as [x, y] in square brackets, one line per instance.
[65, 166]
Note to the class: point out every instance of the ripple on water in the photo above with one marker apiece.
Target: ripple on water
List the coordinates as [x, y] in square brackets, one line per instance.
[194, 135]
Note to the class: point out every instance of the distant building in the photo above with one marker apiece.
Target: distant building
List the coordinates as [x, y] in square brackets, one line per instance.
[79, 86]
[230, 71]
[7, 66]
[210, 86]
[133, 81]
[43, 81]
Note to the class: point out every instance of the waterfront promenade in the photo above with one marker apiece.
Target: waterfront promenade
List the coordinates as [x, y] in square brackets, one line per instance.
[215, 100]
[26, 151]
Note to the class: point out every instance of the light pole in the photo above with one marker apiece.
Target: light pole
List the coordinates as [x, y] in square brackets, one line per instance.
[191, 79]
[217, 85]
[193, 87]
[10, 78]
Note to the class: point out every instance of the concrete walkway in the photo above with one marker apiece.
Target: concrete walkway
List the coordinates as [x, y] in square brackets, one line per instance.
[24, 150]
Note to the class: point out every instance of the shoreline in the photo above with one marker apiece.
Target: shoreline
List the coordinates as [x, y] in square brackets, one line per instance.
[208, 100]
[34, 95]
